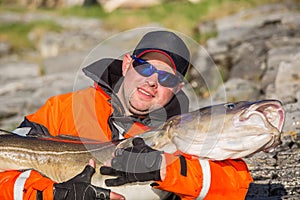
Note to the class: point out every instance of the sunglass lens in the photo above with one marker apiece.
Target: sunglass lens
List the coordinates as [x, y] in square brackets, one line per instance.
[145, 69]
[168, 80]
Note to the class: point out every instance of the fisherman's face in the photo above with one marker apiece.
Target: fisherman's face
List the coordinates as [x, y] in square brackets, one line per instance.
[143, 94]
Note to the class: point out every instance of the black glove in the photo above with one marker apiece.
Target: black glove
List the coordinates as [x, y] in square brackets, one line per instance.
[133, 164]
[80, 188]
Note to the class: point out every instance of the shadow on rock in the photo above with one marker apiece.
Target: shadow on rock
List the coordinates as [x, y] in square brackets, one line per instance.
[266, 191]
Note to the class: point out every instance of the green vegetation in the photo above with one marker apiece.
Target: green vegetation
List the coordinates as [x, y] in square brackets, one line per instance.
[17, 33]
[179, 15]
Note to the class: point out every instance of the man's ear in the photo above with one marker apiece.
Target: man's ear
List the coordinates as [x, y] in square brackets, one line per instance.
[126, 63]
[179, 87]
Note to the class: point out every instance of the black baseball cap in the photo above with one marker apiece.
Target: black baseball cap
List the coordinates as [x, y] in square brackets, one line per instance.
[167, 43]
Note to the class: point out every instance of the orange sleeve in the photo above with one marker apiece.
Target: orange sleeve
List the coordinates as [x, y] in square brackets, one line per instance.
[188, 186]
[33, 183]
[77, 114]
[230, 179]
[49, 115]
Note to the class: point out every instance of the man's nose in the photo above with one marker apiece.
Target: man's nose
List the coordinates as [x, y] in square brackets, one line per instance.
[152, 80]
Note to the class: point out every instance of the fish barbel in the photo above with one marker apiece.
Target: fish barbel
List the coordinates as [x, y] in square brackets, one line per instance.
[231, 130]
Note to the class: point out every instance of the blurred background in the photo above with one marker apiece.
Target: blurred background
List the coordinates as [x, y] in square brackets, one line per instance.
[241, 50]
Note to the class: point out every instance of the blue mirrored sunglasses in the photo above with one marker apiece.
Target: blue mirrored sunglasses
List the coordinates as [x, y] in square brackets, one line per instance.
[146, 69]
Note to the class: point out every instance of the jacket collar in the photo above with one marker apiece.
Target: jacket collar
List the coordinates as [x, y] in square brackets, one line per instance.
[107, 73]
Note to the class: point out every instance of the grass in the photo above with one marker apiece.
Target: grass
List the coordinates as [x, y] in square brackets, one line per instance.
[17, 33]
[179, 15]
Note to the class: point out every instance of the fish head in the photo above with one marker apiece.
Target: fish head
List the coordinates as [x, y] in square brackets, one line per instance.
[230, 130]
[265, 116]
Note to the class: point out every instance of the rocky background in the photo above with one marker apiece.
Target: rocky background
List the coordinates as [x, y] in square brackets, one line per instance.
[261, 50]
[257, 50]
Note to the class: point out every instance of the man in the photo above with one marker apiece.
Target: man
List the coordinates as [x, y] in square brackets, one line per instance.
[128, 97]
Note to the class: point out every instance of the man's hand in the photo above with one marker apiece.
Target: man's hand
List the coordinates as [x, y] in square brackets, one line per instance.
[133, 164]
[80, 188]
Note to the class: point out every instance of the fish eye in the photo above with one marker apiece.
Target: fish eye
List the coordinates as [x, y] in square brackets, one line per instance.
[230, 105]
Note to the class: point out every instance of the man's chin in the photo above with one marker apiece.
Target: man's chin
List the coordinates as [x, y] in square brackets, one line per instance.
[136, 111]
[142, 110]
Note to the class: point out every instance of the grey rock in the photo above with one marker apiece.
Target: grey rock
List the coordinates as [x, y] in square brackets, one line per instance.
[237, 90]
[216, 46]
[5, 48]
[205, 72]
[50, 3]
[275, 57]
[111, 5]
[287, 82]
[292, 122]
[19, 70]
[243, 64]
[207, 27]
[64, 62]
[276, 41]
[49, 45]
[237, 26]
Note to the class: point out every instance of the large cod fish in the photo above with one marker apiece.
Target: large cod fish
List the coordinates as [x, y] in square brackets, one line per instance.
[232, 130]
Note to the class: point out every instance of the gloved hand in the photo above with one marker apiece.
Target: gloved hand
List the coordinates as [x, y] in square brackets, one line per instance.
[133, 164]
[80, 188]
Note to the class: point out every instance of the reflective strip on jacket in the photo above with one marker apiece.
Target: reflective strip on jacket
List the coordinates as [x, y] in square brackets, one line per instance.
[18, 185]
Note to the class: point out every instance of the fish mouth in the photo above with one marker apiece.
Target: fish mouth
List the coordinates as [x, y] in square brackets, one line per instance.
[272, 113]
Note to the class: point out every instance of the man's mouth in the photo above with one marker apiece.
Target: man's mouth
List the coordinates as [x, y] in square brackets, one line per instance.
[147, 93]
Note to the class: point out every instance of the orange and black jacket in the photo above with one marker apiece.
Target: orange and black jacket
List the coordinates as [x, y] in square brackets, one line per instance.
[95, 113]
